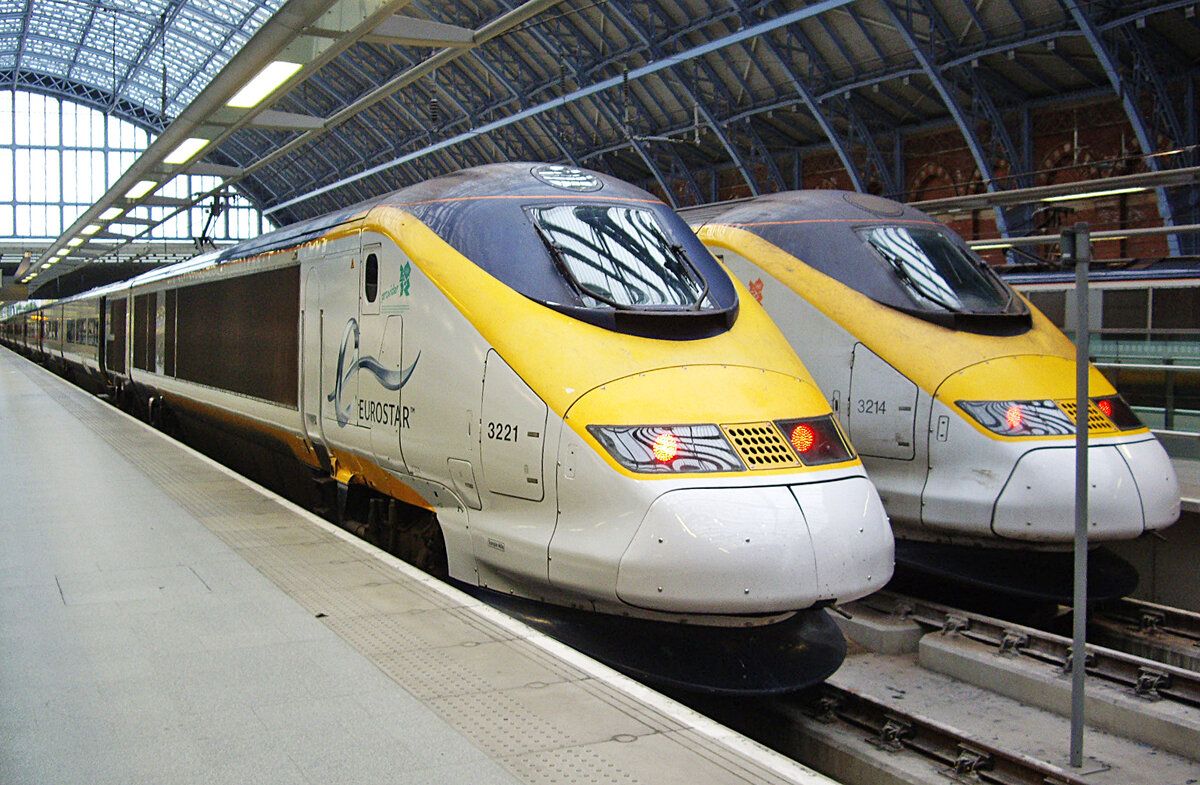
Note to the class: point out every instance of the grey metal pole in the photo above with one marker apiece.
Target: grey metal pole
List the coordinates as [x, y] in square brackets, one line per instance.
[1082, 254]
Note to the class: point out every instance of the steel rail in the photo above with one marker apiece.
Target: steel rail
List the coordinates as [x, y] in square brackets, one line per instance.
[1145, 678]
[963, 758]
[1153, 618]
[1145, 629]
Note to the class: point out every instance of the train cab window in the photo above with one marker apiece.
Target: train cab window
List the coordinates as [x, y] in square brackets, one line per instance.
[619, 256]
[371, 278]
[626, 264]
[936, 273]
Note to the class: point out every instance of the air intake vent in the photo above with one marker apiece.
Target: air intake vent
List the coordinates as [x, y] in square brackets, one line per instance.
[761, 445]
[1097, 422]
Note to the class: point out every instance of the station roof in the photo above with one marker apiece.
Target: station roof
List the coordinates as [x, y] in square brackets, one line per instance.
[693, 99]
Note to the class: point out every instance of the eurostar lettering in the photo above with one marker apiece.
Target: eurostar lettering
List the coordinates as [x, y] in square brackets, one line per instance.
[379, 413]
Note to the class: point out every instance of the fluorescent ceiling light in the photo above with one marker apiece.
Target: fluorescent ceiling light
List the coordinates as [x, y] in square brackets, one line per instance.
[142, 188]
[263, 84]
[90, 229]
[990, 246]
[110, 213]
[1114, 237]
[186, 149]
[74, 241]
[46, 266]
[1096, 194]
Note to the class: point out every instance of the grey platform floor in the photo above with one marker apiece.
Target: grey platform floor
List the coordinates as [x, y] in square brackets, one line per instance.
[163, 621]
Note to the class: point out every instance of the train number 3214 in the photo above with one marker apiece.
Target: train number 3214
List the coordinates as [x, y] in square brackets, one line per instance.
[871, 406]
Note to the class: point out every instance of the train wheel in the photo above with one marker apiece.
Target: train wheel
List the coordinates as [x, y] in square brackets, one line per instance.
[414, 535]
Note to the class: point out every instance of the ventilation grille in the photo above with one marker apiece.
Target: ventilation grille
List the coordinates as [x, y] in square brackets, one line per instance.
[761, 445]
[1097, 422]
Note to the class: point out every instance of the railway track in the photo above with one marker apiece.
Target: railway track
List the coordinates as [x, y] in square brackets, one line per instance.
[974, 699]
[1156, 632]
[1135, 624]
[949, 751]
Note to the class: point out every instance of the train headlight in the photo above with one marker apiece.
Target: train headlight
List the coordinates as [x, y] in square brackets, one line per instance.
[1115, 409]
[665, 447]
[816, 440]
[668, 448]
[1020, 418]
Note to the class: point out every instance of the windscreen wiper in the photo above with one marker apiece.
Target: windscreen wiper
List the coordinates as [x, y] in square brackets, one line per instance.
[560, 262]
[686, 264]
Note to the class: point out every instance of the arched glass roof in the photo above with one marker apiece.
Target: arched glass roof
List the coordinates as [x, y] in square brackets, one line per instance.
[696, 100]
[142, 59]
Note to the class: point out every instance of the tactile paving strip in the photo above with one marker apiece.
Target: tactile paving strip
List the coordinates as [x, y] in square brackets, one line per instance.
[553, 766]
[340, 582]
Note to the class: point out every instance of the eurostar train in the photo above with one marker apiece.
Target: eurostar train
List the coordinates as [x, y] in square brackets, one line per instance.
[536, 378]
[958, 395]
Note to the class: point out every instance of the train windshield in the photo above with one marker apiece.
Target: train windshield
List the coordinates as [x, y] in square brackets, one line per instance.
[936, 273]
[619, 256]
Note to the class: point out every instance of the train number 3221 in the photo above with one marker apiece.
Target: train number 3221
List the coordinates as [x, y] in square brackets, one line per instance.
[502, 431]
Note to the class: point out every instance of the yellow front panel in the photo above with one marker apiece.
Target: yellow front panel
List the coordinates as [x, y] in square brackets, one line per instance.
[1020, 378]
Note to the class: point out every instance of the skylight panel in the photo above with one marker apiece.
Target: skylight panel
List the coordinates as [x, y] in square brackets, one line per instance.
[199, 29]
[43, 63]
[88, 74]
[225, 12]
[55, 49]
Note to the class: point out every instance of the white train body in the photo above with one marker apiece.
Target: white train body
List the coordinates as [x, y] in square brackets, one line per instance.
[904, 378]
[374, 350]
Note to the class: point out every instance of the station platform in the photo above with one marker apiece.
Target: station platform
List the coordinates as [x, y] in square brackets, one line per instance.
[164, 620]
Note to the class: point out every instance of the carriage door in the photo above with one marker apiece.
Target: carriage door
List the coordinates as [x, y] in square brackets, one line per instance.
[382, 373]
[311, 358]
[341, 345]
[114, 336]
[511, 433]
[881, 407]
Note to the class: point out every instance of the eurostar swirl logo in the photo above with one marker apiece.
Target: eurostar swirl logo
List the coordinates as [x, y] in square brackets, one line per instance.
[349, 364]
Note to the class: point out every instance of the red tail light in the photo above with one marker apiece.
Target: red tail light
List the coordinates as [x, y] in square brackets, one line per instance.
[1013, 416]
[816, 440]
[1115, 409]
[803, 437]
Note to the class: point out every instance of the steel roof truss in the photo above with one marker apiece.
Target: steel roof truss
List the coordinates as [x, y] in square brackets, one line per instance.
[947, 93]
[1128, 93]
